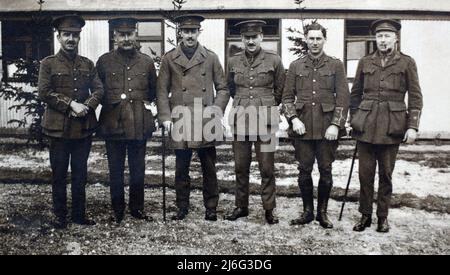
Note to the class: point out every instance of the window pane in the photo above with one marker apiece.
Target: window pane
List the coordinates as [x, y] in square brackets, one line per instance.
[237, 46]
[351, 67]
[151, 48]
[356, 50]
[358, 27]
[149, 28]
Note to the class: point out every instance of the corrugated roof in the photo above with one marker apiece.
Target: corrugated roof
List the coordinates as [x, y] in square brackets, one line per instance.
[156, 5]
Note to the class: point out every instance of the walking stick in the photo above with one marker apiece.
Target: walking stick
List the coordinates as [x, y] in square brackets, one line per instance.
[348, 183]
[164, 172]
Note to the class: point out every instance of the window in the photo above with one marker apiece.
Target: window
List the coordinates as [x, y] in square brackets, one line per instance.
[150, 38]
[359, 42]
[272, 37]
[23, 40]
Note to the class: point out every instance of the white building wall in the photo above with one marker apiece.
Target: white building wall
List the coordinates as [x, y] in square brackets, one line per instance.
[213, 37]
[335, 40]
[428, 43]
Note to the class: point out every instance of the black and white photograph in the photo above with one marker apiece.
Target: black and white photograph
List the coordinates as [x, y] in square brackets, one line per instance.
[224, 128]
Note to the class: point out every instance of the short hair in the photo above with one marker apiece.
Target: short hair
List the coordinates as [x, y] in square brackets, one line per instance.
[314, 26]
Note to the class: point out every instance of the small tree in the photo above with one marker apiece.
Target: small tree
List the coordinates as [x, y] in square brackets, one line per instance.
[300, 47]
[27, 98]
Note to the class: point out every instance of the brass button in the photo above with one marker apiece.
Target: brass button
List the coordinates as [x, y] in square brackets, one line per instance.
[251, 88]
[129, 79]
[251, 97]
[315, 69]
[184, 89]
[130, 90]
[313, 104]
[123, 96]
[131, 101]
[251, 77]
[314, 92]
[204, 89]
[128, 68]
[75, 79]
[251, 69]
[314, 80]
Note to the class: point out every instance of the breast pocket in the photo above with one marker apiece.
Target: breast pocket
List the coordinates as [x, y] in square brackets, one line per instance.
[301, 80]
[62, 79]
[239, 78]
[140, 80]
[114, 80]
[265, 76]
[85, 77]
[396, 79]
[326, 80]
[369, 77]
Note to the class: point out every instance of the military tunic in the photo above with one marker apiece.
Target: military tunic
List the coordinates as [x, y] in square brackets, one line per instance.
[258, 82]
[317, 93]
[62, 80]
[380, 119]
[130, 87]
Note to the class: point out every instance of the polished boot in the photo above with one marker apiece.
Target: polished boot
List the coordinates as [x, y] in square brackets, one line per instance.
[181, 214]
[322, 205]
[211, 214]
[270, 217]
[308, 205]
[383, 225]
[59, 223]
[237, 213]
[366, 221]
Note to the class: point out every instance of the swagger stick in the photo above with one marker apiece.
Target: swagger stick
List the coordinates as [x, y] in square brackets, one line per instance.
[348, 183]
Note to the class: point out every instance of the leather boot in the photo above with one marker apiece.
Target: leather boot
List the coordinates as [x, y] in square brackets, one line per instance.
[322, 205]
[366, 221]
[237, 213]
[181, 214]
[211, 214]
[383, 225]
[308, 205]
[270, 217]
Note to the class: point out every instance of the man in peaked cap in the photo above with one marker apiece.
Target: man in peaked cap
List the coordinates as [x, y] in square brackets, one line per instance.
[191, 73]
[126, 120]
[70, 86]
[255, 78]
[316, 97]
[380, 118]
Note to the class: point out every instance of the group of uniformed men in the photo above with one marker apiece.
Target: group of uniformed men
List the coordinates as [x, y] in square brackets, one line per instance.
[314, 95]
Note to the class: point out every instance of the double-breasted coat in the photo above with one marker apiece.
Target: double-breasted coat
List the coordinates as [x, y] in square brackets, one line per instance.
[129, 79]
[61, 81]
[181, 83]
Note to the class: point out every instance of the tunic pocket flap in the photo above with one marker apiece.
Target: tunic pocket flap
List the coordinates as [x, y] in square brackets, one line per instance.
[366, 105]
[326, 73]
[327, 107]
[303, 73]
[397, 106]
[267, 101]
[368, 70]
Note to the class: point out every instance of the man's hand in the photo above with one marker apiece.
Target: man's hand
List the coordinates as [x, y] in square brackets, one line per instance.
[298, 126]
[168, 125]
[410, 136]
[332, 132]
[78, 109]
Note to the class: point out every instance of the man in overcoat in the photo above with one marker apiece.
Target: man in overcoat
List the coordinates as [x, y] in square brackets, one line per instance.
[69, 85]
[189, 74]
[255, 78]
[126, 120]
[316, 97]
[380, 118]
